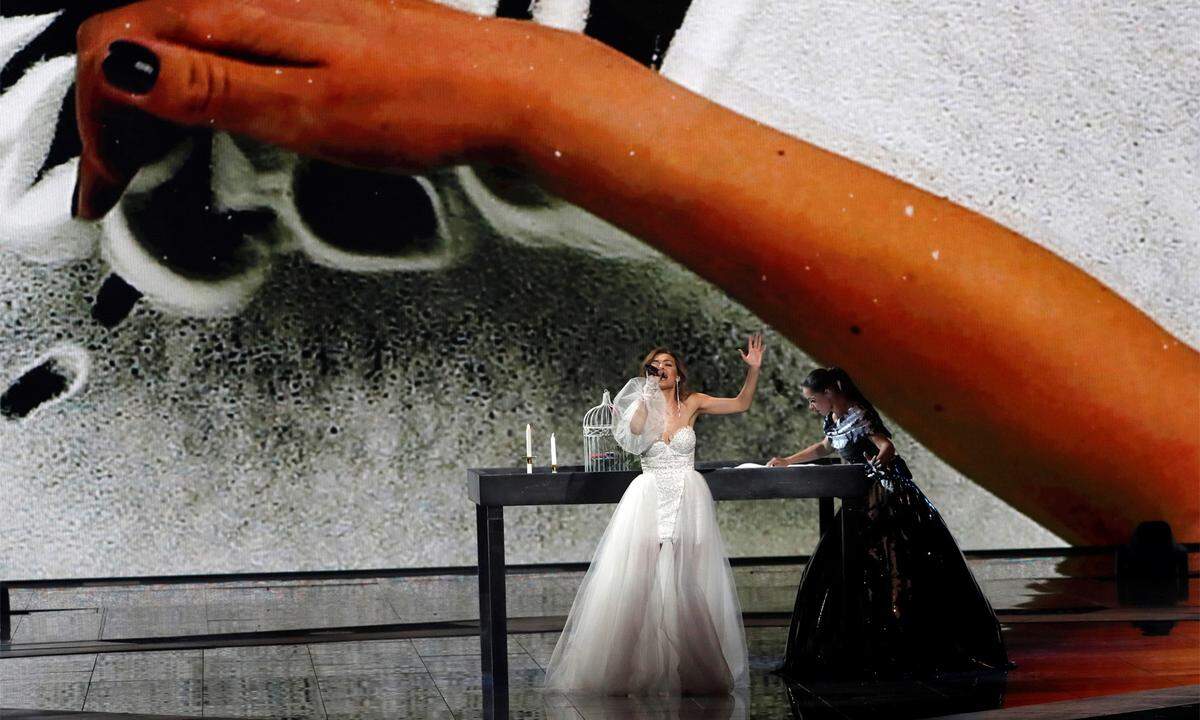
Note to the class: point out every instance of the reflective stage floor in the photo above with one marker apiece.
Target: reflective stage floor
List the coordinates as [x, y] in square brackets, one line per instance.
[404, 648]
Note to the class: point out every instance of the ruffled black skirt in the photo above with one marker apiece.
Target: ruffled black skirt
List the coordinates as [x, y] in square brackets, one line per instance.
[907, 605]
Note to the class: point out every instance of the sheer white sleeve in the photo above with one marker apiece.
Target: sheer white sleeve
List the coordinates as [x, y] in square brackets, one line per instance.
[639, 415]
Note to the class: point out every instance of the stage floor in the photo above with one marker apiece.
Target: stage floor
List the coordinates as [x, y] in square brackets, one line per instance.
[1070, 639]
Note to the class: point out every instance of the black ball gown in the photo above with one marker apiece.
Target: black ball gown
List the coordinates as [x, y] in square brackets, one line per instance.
[908, 605]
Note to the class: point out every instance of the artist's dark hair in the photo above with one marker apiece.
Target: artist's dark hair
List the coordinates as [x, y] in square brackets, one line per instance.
[839, 381]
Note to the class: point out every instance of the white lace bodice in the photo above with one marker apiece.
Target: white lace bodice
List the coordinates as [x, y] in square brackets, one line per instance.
[669, 463]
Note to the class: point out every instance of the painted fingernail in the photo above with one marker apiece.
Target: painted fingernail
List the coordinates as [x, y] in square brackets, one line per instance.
[75, 199]
[130, 67]
[114, 301]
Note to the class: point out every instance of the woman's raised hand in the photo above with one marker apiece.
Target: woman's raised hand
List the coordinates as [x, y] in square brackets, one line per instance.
[403, 85]
[753, 353]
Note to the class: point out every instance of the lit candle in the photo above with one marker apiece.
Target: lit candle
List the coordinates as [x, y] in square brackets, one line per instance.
[553, 451]
[528, 441]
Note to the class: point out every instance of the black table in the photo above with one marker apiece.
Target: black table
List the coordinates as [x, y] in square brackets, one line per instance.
[491, 489]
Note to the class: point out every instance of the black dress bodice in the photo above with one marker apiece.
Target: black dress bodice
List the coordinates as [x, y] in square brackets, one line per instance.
[851, 437]
[851, 434]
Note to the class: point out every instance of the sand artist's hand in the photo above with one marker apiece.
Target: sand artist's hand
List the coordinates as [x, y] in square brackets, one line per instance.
[405, 85]
[999, 356]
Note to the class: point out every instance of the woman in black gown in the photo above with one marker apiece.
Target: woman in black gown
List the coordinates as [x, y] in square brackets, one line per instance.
[914, 608]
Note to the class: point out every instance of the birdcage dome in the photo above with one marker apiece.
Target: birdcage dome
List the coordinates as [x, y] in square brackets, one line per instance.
[598, 420]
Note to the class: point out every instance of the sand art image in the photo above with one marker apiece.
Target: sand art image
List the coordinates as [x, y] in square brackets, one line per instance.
[278, 274]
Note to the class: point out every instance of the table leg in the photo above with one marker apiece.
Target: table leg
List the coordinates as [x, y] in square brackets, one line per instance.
[493, 621]
[824, 514]
[5, 614]
[851, 571]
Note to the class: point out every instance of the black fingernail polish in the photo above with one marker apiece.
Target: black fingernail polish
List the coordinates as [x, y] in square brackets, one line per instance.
[75, 199]
[130, 67]
[114, 301]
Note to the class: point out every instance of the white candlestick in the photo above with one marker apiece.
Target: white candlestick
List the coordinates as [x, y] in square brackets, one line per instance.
[553, 451]
[528, 441]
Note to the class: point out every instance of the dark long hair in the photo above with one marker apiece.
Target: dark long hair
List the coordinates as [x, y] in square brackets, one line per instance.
[680, 368]
[839, 381]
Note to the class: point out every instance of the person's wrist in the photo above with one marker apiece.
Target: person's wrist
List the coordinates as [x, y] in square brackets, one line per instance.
[497, 81]
[548, 107]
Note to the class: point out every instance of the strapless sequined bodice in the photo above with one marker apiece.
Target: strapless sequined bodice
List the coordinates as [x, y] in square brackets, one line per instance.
[670, 463]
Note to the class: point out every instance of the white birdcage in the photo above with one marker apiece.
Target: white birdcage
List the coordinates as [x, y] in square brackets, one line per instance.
[600, 449]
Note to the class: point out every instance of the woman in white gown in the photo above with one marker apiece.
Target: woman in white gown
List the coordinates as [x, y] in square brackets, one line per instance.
[657, 612]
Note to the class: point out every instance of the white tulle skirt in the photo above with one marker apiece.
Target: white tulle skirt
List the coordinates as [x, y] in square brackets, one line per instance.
[651, 616]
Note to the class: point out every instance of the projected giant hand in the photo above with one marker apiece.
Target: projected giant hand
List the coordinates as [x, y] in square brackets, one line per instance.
[1012, 364]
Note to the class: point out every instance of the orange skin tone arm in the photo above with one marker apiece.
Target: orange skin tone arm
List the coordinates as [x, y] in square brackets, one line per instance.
[1011, 364]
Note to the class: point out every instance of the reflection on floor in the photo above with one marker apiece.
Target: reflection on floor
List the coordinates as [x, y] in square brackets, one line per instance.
[1065, 630]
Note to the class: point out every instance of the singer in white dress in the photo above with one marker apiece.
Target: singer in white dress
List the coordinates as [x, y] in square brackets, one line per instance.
[657, 612]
